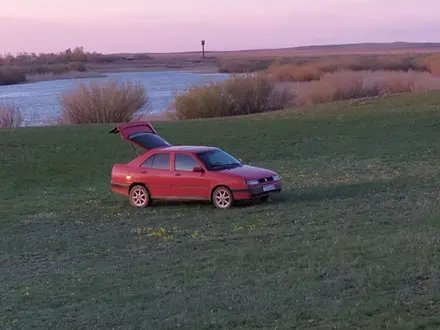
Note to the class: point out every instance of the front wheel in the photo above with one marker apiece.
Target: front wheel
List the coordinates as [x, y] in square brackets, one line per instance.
[139, 196]
[222, 198]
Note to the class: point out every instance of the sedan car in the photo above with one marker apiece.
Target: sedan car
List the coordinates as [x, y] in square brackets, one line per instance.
[167, 172]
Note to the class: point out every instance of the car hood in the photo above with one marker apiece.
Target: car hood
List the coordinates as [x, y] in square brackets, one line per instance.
[248, 172]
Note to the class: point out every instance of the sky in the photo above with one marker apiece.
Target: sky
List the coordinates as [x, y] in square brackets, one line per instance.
[126, 26]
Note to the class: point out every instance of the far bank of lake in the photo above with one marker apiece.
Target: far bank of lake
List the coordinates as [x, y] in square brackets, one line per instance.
[39, 101]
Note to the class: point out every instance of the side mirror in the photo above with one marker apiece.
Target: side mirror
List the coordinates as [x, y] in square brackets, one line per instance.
[198, 169]
[240, 160]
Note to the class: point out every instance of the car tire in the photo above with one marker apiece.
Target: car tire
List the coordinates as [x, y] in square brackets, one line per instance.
[264, 199]
[222, 197]
[139, 196]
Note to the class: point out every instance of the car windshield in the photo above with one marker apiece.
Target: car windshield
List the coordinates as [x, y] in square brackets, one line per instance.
[218, 160]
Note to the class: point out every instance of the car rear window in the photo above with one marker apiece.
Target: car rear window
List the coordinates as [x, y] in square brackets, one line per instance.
[159, 161]
[149, 140]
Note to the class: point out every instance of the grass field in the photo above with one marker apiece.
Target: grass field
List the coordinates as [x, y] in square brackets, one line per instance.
[352, 242]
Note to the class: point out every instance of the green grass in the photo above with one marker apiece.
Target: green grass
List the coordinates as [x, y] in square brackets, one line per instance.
[352, 242]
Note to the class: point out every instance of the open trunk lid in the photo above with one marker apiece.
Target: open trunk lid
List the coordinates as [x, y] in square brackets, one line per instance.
[142, 134]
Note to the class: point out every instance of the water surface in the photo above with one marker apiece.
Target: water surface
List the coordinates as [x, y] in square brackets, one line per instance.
[39, 102]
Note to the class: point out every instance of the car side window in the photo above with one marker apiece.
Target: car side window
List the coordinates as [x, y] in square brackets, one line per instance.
[149, 162]
[161, 161]
[183, 162]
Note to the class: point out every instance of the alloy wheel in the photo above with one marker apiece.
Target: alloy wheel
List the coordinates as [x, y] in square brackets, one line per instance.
[222, 198]
[139, 196]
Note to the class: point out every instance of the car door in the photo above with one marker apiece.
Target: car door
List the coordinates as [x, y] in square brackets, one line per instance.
[185, 182]
[155, 172]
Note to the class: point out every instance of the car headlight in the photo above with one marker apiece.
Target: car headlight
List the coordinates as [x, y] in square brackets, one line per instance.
[276, 177]
[252, 182]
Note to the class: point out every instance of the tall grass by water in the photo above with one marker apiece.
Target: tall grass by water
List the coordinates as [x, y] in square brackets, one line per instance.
[242, 95]
[306, 68]
[345, 85]
[30, 67]
[11, 76]
[10, 116]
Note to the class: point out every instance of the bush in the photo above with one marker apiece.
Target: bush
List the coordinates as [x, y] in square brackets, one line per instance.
[10, 76]
[344, 85]
[244, 65]
[293, 72]
[314, 68]
[10, 116]
[334, 87]
[111, 102]
[325, 63]
[239, 95]
[433, 64]
[55, 69]
[76, 66]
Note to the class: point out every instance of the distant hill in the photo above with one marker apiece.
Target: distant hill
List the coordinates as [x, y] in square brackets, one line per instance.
[369, 46]
[358, 48]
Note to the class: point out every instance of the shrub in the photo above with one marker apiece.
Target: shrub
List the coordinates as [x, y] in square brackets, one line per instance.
[15, 75]
[327, 63]
[433, 64]
[49, 68]
[344, 85]
[293, 72]
[396, 82]
[76, 66]
[334, 87]
[10, 116]
[239, 95]
[244, 65]
[111, 102]
[313, 68]
[10, 76]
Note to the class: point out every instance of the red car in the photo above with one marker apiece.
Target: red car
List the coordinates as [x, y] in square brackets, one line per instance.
[166, 172]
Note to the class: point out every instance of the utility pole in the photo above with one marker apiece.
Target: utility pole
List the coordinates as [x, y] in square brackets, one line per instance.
[203, 48]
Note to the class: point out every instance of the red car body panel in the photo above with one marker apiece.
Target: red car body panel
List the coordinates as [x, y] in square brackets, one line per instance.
[194, 183]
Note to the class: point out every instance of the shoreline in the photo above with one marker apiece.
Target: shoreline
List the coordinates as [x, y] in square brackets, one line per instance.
[209, 69]
[64, 76]
[101, 73]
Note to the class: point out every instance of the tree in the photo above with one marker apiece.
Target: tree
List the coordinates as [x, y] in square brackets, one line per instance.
[203, 48]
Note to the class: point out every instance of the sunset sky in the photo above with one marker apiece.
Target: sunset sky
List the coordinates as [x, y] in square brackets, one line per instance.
[178, 25]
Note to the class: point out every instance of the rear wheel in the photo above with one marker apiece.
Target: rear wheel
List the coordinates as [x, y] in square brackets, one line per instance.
[139, 196]
[222, 198]
[264, 198]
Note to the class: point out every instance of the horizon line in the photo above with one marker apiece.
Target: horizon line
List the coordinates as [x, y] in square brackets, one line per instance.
[303, 47]
[412, 44]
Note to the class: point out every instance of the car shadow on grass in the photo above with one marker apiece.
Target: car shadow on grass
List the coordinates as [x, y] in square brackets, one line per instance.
[201, 204]
[310, 194]
[320, 193]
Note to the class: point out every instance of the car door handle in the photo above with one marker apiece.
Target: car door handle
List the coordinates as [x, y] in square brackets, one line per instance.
[178, 174]
[144, 172]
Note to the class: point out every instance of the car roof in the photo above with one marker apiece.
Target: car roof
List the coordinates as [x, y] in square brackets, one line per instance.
[189, 148]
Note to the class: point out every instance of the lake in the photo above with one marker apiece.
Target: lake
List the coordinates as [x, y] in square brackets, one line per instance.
[39, 102]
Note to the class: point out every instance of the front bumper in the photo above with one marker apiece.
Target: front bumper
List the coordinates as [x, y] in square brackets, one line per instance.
[258, 191]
